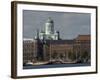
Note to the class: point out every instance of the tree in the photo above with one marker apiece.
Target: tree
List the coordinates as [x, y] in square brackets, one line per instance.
[54, 55]
[85, 56]
[61, 56]
[71, 55]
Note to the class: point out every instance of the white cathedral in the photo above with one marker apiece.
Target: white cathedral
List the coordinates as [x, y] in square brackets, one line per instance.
[48, 33]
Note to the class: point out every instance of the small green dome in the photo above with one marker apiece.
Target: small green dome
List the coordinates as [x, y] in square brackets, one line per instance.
[49, 20]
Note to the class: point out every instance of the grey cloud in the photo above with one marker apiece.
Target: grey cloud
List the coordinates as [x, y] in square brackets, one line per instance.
[69, 24]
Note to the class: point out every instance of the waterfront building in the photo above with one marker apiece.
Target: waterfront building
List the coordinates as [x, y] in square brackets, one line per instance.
[48, 45]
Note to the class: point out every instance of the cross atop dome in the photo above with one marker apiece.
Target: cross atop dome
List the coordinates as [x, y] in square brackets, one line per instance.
[49, 20]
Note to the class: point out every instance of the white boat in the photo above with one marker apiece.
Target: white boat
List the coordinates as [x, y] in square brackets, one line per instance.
[29, 63]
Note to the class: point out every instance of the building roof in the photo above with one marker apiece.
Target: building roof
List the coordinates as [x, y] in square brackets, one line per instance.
[83, 37]
[28, 40]
[60, 41]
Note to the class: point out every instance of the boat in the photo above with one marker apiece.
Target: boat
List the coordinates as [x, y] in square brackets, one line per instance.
[28, 64]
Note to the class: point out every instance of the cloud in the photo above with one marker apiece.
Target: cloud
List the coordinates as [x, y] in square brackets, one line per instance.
[69, 24]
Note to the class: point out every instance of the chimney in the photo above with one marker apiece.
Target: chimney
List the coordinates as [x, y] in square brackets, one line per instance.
[58, 35]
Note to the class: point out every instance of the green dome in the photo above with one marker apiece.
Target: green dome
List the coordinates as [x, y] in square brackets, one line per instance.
[49, 20]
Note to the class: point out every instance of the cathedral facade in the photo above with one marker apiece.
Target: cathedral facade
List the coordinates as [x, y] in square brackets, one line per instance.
[48, 33]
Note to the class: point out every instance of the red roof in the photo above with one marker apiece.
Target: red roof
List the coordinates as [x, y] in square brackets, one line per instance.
[83, 37]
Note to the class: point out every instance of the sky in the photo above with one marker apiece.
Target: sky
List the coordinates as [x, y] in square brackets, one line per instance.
[69, 24]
